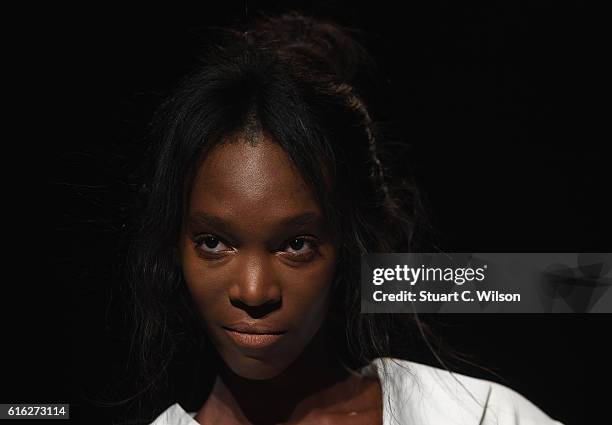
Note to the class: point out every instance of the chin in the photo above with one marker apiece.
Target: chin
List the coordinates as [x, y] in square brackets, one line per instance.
[256, 368]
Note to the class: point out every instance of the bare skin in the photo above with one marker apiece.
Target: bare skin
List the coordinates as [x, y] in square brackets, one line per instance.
[338, 397]
[255, 249]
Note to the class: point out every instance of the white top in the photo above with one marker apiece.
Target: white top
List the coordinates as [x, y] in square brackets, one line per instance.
[417, 394]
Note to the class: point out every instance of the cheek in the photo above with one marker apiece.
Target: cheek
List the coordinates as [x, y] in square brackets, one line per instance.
[205, 285]
[308, 284]
[306, 294]
[304, 285]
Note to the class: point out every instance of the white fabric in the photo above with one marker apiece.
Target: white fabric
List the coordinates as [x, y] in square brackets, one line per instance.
[417, 394]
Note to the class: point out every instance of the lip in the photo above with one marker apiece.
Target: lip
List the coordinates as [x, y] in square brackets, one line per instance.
[253, 328]
[254, 340]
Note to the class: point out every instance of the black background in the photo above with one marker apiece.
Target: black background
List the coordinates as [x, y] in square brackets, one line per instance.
[498, 101]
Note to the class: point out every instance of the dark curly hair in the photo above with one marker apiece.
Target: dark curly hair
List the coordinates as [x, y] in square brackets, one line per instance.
[300, 79]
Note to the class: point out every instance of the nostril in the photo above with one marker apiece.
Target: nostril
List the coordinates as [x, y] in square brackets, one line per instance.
[257, 311]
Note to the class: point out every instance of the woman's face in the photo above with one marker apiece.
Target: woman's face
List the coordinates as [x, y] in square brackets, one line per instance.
[256, 256]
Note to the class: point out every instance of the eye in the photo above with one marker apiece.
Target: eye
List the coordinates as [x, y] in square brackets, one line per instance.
[301, 246]
[210, 244]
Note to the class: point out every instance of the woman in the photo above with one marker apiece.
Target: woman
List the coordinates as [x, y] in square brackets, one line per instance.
[266, 188]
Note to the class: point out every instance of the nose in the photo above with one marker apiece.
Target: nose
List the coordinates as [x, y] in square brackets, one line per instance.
[256, 289]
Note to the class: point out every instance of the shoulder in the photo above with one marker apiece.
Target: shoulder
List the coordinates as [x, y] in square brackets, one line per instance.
[422, 394]
[174, 415]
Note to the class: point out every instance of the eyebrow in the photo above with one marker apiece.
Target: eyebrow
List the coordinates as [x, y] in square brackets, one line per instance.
[200, 217]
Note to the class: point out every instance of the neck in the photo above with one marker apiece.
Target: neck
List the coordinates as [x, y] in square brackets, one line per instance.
[288, 396]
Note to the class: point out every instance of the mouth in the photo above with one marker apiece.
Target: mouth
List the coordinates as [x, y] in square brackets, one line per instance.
[254, 339]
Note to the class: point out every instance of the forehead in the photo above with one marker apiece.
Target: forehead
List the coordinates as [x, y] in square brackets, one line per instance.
[240, 179]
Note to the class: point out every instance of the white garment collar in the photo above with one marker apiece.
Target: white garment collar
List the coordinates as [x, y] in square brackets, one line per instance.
[417, 394]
